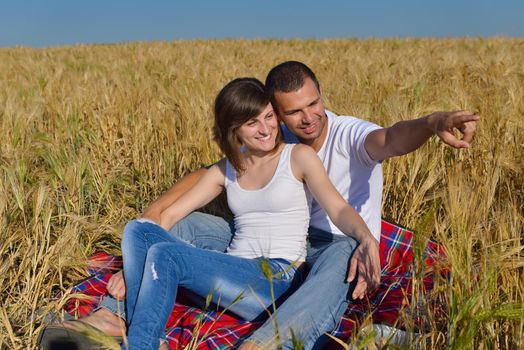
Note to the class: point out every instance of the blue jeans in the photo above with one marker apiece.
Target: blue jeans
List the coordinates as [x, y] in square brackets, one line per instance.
[317, 306]
[312, 310]
[198, 229]
[156, 264]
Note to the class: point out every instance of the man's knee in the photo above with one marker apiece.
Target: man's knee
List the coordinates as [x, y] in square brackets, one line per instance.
[335, 257]
[341, 250]
[344, 246]
[141, 234]
[204, 231]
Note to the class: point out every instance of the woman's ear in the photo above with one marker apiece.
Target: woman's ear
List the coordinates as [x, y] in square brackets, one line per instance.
[237, 140]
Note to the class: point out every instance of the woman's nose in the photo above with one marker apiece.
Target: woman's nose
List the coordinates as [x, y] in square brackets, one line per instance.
[264, 128]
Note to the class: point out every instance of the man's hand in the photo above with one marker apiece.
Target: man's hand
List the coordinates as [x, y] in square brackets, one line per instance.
[116, 286]
[365, 260]
[444, 123]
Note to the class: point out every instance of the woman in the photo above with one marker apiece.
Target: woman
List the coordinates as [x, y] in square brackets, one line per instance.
[264, 180]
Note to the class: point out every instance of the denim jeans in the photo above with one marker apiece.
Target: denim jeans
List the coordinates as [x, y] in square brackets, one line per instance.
[156, 264]
[312, 310]
[317, 306]
[198, 229]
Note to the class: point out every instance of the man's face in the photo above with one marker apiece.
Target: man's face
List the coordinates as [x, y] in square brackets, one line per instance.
[303, 113]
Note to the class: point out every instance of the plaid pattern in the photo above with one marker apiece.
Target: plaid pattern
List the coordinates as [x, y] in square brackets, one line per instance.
[214, 330]
[395, 289]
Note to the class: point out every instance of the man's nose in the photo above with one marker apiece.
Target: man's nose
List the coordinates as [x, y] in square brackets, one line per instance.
[307, 116]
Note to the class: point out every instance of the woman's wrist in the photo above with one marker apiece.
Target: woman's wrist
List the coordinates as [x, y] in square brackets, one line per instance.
[366, 237]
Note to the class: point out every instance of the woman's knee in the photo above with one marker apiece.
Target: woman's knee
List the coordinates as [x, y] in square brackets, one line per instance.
[131, 234]
[143, 233]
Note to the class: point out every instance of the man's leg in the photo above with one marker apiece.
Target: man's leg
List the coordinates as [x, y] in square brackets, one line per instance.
[316, 307]
[204, 231]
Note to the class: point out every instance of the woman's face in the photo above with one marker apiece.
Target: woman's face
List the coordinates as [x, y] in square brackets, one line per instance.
[259, 133]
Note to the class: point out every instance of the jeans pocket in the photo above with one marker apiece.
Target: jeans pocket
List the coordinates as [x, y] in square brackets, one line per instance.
[283, 269]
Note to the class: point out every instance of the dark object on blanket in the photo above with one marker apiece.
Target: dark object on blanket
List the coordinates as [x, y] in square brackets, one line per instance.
[60, 338]
[57, 337]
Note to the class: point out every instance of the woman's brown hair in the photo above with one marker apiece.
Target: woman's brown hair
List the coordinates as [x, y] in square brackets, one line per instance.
[240, 100]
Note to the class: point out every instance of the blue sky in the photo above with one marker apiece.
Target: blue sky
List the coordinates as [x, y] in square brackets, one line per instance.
[43, 23]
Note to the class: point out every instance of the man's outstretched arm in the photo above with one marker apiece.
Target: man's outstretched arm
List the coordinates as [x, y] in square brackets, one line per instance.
[406, 136]
[153, 211]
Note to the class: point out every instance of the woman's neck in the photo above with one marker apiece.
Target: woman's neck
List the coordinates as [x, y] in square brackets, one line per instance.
[259, 169]
[255, 159]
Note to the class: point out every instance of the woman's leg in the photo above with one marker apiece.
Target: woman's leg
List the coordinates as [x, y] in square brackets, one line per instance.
[236, 283]
[198, 229]
[137, 238]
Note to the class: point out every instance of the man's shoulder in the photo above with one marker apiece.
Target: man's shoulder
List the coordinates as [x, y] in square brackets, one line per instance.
[345, 120]
[345, 124]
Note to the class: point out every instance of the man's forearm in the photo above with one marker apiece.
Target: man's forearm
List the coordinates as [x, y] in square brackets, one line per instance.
[154, 210]
[408, 135]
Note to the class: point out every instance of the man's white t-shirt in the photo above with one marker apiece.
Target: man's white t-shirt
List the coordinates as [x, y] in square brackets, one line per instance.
[356, 176]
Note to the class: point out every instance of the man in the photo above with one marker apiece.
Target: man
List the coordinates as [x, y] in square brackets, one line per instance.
[352, 151]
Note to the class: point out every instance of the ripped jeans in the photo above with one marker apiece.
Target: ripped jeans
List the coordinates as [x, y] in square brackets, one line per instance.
[156, 264]
[198, 229]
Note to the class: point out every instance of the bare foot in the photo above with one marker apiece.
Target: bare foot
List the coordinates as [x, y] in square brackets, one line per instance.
[102, 319]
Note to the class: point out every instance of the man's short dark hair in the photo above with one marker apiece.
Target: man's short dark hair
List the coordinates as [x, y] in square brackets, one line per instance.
[287, 77]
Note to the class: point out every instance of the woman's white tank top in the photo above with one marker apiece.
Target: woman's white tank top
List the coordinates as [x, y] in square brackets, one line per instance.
[271, 222]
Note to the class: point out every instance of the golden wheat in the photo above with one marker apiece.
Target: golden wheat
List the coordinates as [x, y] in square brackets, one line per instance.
[92, 133]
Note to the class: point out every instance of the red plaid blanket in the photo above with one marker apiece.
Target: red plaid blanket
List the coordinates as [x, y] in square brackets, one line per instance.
[214, 330]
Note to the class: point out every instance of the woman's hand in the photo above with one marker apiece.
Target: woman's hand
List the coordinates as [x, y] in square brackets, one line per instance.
[116, 286]
[365, 260]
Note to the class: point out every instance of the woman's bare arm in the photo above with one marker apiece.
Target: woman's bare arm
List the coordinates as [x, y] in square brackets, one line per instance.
[209, 186]
[183, 185]
[366, 260]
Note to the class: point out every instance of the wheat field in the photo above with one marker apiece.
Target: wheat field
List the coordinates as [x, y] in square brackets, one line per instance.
[91, 134]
